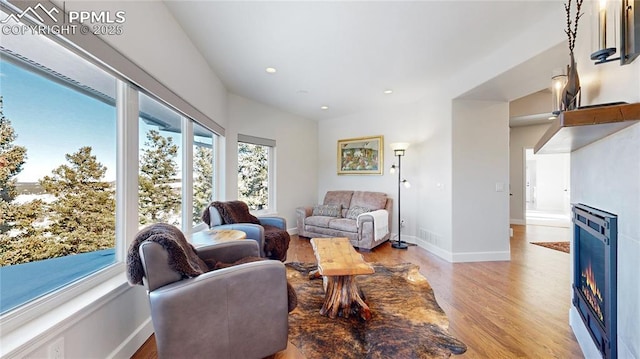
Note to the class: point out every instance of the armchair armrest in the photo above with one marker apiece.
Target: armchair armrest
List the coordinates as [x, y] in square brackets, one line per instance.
[279, 222]
[229, 252]
[229, 305]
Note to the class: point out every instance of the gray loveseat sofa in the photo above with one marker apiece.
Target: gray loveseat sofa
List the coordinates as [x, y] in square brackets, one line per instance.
[362, 216]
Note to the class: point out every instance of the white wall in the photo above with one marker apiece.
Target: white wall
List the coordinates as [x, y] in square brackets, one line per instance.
[606, 175]
[296, 152]
[520, 138]
[480, 181]
[414, 123]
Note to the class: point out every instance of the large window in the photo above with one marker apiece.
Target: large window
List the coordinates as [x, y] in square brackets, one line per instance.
[61, 171]
[57, 151]
[255, 179]
[159, 181]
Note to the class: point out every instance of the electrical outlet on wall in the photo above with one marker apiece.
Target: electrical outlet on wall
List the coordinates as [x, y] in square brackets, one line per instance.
[403, 222]
[56, 349]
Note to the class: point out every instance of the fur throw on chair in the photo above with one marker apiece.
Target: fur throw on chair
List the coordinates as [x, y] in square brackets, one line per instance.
[276, 240]
[182, 256]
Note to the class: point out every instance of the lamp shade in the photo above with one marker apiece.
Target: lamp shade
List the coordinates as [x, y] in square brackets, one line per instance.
[399, 145]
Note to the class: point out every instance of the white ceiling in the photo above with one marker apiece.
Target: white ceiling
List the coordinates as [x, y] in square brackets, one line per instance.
[344, 54]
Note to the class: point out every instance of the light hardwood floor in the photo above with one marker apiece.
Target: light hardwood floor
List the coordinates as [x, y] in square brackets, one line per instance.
[510, 309]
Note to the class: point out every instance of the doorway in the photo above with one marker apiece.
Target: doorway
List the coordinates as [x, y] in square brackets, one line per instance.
[546, 190]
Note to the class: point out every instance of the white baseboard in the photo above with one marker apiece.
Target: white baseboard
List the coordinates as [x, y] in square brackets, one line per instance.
[134, 341]
[446, 255]
[521, 222]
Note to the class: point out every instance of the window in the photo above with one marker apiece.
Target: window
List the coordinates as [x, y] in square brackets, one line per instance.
[61, 124]
[58, 143]
[203, 167]
[159, 180]
[255, 183]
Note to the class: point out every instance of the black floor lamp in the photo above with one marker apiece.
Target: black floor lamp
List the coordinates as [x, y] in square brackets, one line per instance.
[398, 150]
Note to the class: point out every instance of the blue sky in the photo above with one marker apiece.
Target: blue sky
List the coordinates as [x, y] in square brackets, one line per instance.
[52, 120]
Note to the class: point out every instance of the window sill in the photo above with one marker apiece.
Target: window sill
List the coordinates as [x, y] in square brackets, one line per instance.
[26, 329]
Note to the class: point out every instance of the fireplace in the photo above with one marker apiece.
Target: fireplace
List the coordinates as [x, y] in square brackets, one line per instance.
[594, 274]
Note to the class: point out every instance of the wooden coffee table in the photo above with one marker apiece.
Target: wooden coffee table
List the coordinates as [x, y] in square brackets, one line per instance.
[339, 263]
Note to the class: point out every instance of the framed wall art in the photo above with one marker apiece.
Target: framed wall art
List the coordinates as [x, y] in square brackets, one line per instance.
[360, 156]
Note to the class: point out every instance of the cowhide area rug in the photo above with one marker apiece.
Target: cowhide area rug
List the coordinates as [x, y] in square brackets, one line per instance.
[406, 321]
[558, 246]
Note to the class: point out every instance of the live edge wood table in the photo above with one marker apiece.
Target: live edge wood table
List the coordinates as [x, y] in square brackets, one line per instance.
[339, 263]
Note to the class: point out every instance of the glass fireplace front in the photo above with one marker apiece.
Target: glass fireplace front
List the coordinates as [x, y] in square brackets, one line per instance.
[595, 274]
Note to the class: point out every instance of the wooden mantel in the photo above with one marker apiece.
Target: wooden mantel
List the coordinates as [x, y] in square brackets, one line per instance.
[575, 129]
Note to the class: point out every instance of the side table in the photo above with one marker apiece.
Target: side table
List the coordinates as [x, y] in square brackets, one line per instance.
[213, 236]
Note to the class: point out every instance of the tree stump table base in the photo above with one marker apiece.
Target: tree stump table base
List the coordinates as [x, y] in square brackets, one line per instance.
[339, 263]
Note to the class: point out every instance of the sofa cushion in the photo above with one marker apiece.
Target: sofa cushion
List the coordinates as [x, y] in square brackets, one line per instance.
[318, 221]
[329, 210]
[339, 197]
[371, 200]
[343, 224]
[355, 211]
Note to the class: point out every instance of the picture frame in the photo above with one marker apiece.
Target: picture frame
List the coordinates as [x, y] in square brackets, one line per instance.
[361, 156]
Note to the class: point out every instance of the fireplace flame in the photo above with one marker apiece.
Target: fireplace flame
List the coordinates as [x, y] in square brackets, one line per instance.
[591, 291]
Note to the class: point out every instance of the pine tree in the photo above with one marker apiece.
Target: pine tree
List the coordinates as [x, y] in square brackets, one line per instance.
[203, 180]
[16, 217]
[12, 158]
[253, 176]
[159, 199]
[83, 213]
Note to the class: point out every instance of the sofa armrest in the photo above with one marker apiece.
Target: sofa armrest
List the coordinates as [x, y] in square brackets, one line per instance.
[279, 222]
[253, 231]
[301, 214]
[217, 311]
[304, 212]
[228, 252]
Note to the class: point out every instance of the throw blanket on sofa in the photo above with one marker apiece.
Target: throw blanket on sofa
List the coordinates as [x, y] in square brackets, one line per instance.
[380, 222]
[276, 240]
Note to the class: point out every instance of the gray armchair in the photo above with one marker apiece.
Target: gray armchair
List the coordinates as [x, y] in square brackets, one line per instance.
[270, 232]
[236, 312]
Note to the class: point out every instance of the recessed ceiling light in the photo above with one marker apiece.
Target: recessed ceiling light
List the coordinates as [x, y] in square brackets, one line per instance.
[388, 92]
[324, 108]
[271, 70]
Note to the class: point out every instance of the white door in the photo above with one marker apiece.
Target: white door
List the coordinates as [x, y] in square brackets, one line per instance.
[547, 190]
